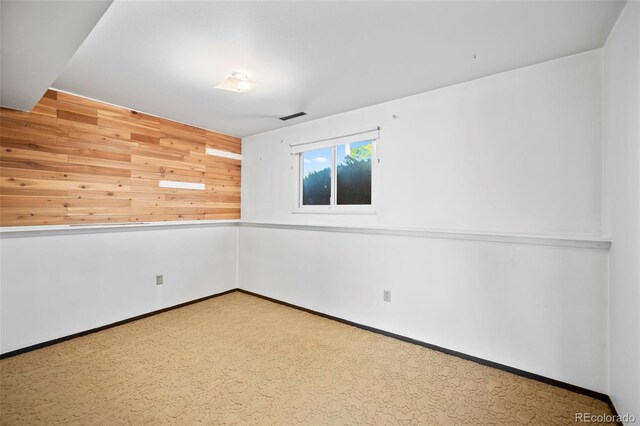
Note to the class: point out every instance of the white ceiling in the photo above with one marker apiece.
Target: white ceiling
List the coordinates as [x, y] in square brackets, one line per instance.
[164, 58]
[37, 40]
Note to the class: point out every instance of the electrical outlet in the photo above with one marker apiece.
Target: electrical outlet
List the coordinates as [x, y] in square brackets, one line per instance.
[159, 279]
[387, 295]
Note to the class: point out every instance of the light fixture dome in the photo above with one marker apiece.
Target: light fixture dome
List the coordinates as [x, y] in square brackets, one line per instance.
[237, 82]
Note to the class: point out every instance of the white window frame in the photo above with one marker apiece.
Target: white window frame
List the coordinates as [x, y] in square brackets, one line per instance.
[333, 207]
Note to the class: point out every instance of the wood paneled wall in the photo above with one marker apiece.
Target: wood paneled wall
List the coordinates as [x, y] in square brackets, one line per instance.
[73, 160]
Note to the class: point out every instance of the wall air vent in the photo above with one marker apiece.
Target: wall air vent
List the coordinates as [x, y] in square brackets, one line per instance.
[296, 115]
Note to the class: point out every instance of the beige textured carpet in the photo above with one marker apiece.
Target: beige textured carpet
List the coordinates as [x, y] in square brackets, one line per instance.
[238, 359]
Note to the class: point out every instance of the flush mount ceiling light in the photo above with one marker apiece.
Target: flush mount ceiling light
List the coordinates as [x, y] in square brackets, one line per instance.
[236, 83]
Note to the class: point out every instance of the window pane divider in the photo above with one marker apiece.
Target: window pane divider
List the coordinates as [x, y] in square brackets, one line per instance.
[334, 178]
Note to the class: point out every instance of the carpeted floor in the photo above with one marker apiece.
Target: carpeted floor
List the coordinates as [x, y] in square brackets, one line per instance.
[239, 359]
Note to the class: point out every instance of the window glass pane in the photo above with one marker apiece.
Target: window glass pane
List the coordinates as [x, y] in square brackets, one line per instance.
[354, 172]
[316, 184]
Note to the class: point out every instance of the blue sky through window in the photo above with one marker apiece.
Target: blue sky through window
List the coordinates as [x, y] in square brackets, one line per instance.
[316, 160]
[320, 159]
[345, 149]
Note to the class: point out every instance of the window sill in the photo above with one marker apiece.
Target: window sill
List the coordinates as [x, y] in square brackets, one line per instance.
[335, 211]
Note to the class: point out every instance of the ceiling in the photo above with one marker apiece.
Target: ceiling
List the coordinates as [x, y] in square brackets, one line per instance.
[37, 40]
[165, 57]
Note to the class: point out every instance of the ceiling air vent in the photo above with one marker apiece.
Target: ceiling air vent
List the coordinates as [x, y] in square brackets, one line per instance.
[296, 115]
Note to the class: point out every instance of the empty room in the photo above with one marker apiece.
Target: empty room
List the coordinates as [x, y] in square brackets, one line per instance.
[319, 212]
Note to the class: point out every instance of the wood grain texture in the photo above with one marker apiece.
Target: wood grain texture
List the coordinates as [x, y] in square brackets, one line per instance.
[74, 160]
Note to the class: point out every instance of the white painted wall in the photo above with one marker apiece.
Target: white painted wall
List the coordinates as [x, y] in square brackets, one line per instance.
[55, 285]
[517, 152]
[622, 189]
[537, 308]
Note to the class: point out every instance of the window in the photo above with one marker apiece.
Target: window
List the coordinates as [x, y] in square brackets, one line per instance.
[317, 176]
[354, 173]
[337, 175]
